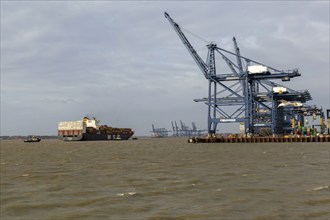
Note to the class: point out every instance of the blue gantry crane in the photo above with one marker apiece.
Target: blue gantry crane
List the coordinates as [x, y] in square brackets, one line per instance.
[185, 131]
[159, 132]
[247, 92]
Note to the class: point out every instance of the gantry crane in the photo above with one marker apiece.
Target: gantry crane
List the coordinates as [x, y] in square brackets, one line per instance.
[159, 132]
[248, 85]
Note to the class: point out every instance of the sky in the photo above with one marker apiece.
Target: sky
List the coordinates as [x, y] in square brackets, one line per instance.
[123, 63]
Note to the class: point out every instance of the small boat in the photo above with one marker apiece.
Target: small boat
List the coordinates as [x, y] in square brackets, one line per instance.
[33, 139]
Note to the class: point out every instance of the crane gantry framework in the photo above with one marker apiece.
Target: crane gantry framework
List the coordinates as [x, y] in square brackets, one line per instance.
[247, 85]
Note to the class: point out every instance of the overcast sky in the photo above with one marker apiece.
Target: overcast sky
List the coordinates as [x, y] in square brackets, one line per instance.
[122, 62]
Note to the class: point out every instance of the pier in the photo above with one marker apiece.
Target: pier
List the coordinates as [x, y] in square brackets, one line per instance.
[325, 138]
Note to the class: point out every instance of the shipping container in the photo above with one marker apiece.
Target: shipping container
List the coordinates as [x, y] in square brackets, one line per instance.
[258, 69]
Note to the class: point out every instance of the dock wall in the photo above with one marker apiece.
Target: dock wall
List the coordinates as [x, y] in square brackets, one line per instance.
[259, 139]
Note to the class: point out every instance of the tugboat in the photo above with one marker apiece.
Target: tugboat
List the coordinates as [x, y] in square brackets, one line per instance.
[32, 139]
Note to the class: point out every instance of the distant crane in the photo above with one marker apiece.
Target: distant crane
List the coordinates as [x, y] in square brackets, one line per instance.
[159, 132]
[184, 130]
[195, 131]
[248, 86]
[175, 128]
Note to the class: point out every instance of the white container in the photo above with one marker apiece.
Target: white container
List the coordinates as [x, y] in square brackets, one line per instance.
[258, 69]
[70, 125]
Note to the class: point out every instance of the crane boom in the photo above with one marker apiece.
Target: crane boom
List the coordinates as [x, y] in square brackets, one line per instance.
[239, 61]
[201, 64]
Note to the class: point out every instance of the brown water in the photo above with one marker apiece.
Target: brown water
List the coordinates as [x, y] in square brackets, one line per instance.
[164, 178]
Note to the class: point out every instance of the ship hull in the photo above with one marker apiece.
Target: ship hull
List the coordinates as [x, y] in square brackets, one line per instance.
[96, 137]
[105, 137]
[70, 138]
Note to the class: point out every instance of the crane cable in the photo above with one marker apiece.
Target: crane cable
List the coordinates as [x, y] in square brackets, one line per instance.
[195, 35]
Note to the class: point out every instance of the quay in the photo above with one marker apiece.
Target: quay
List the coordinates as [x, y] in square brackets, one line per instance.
[255, 139]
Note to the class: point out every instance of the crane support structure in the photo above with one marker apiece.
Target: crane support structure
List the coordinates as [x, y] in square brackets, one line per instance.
[249, 86]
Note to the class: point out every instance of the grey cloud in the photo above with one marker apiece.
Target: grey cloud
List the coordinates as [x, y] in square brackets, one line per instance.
[123, 63]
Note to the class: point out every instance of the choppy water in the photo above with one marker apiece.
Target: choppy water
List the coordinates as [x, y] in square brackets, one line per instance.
[164, 178]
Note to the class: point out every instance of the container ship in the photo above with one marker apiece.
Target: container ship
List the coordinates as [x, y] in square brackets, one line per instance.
[89, 130]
